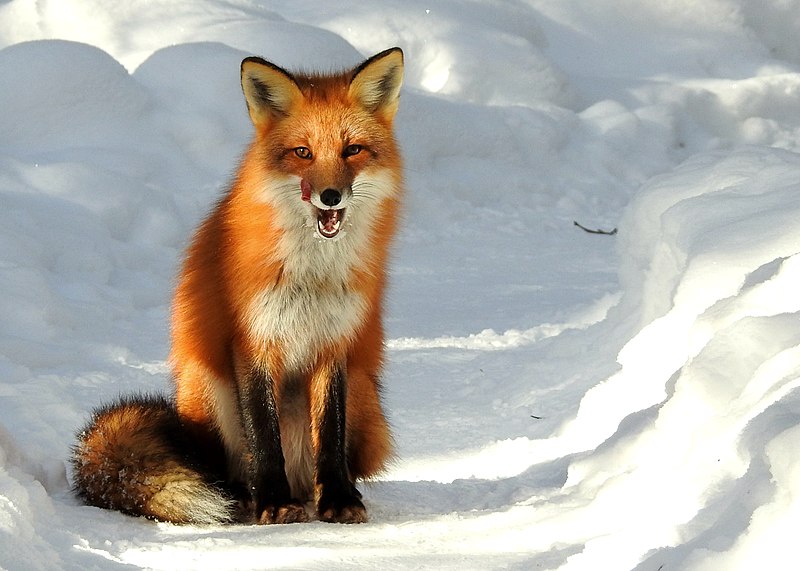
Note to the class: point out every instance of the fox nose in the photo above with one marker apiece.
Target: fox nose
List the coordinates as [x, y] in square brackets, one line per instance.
[330, 197]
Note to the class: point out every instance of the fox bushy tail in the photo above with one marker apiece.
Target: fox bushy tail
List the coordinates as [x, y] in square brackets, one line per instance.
[136, 456]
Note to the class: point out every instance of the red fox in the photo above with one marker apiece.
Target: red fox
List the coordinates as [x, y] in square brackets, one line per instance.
[277, 336]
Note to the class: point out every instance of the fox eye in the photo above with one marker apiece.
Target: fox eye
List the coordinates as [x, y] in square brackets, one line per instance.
[303, 152]
[351, 150]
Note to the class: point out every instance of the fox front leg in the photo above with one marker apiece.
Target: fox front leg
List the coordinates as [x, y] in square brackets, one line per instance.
[266, 471]
[337, 498]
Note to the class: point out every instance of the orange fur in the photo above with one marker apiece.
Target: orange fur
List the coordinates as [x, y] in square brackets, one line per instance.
[278, 286]
[236, 256]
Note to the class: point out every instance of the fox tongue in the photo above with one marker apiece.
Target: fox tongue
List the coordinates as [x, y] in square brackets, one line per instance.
[305, 190]
[329, 222]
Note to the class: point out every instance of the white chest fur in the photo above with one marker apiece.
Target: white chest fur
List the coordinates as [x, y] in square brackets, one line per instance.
[306, 320]
[313, 306]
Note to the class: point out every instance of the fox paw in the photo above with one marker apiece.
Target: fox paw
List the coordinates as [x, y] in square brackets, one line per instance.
[342, 509]
[292, 512]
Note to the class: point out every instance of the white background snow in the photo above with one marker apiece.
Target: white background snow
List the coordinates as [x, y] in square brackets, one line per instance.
[560, 399]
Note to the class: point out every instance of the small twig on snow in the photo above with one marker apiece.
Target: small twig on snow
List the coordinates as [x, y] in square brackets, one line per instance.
[590, 231]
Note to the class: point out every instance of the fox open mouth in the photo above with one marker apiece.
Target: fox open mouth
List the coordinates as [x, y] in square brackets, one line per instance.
[329, 222]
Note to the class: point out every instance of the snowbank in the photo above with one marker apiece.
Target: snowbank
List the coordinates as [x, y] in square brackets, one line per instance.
[710, 270]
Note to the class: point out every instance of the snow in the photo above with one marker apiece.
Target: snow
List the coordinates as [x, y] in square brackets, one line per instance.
[560, 399]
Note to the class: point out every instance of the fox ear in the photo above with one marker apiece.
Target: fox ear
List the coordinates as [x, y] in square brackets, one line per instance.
[376, 82]
[269, 90]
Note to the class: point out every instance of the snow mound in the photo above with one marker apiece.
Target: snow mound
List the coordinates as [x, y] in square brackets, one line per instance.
[710, 271]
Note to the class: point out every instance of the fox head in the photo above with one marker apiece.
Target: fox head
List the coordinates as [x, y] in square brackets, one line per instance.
[325, 141]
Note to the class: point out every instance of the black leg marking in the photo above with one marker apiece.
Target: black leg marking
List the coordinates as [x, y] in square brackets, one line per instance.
[266, 472]
[338, 499]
